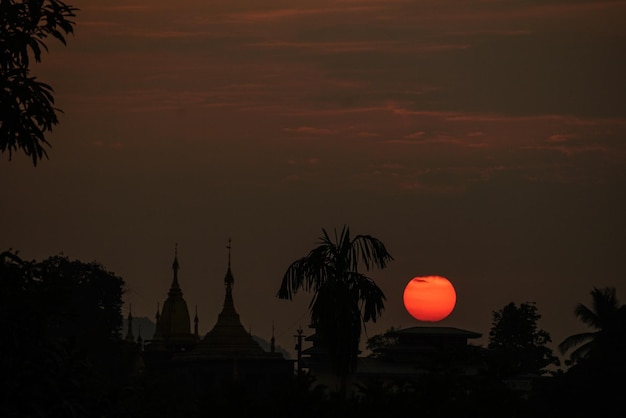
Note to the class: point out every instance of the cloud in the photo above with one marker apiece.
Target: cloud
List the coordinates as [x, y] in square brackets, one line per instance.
[560, 137]
[363, 46]
[272, 15]
[309, 130]
[415, 135]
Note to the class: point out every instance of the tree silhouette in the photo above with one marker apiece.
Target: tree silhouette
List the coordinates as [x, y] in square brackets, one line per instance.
[519, 345]
[27, 111]
[376, 342]
[608, 318]
[61, 353]
[343, 297]
[594, 383]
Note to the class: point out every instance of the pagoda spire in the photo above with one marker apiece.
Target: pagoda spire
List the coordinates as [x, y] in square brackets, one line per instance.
[229, 336]
[229, 280]
[228, 310]
[175, 288]
[173, 323]
[129, 332]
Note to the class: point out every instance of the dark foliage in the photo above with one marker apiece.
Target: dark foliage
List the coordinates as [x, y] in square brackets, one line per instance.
[27, 111]
[607, 338]
[61, 353]
[519, 346]
[595, 382]
[380, 341]
[343, 297]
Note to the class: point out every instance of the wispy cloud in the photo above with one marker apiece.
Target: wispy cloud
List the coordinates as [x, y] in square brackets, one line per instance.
[309, 130]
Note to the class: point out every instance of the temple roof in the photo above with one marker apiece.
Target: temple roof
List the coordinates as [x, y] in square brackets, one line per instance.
[228, 337]
[436, 331]
[173, 321]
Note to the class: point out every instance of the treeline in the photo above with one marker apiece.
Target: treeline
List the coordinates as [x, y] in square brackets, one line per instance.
[62, 355]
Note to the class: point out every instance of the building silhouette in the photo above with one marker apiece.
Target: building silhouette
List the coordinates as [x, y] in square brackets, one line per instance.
[229, 357]
[226, 357]
[173, 333]
[422, 349]
[410, 354]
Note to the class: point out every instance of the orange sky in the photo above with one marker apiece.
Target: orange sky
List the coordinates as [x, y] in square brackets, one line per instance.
[481, 141]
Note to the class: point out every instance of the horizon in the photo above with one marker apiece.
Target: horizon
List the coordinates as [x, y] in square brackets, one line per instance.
[484, 143]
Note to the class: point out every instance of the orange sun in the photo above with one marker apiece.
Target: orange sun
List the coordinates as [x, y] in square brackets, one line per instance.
[429, 298]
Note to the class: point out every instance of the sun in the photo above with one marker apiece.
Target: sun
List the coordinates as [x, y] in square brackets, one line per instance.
[429, 298]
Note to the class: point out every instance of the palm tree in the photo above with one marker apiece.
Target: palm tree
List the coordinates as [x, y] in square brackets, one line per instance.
[343, 298]
[594, 382]
[607, 317]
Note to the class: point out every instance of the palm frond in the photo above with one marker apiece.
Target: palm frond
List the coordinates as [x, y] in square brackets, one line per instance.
[370, 297]
[325, 238]
[604, 316]
[343, 299]
[288, 286]
[582, 352]
[295, 278]
[586, 315]
[370, 251]
[574, 340]
[604, 303]
[306, 273]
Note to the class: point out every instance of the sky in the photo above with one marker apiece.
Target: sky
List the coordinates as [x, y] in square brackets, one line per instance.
[483, 141]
